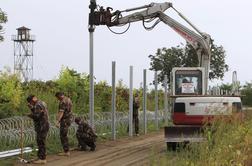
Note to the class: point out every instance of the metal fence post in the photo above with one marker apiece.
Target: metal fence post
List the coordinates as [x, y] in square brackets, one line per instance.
[166, 100]
[91, 68]
[131, 102]
[113, 101]
[144, 101]
[156, 100]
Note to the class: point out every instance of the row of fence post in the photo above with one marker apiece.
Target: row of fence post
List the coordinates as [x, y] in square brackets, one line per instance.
[219, 92]
[144, 104]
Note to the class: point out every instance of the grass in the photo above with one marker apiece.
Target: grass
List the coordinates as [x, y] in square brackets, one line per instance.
[229, 143]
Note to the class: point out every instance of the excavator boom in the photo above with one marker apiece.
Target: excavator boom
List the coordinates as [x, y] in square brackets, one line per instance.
[200, 41]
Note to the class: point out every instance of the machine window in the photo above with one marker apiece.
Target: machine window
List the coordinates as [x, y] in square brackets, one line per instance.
[179, 107]
[188, 82]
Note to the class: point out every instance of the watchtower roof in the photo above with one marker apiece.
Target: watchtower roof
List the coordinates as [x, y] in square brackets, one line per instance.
[23, 28]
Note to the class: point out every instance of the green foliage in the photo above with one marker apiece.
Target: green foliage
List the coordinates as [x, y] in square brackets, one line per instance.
[151, 100]
[228, 143]
[44, 90]
[76, 86]
[67, 82]
[10, 93]
[3, 19]
[247, 94]
[103, 94]
[218, 66]
[122, 97]
[73, 84]
[167, 58]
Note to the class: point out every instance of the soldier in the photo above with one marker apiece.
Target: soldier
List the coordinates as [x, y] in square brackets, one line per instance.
[85, 135]
[39, 114]
[136, 106]
[64, 119]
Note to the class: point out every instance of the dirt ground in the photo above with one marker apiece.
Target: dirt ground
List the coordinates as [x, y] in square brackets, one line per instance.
[124, 151]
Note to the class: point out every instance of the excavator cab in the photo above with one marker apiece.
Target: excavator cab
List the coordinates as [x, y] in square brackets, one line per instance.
[187, 81]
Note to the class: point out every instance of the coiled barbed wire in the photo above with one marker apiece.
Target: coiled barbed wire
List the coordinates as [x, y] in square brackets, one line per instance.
[10, 128]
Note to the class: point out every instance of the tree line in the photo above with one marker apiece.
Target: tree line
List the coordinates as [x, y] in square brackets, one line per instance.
[13, 93]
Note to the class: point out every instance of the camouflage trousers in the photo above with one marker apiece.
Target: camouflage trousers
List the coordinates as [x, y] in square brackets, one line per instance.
[135, 122]
[64, 125]
[84, 141]
[41, 142]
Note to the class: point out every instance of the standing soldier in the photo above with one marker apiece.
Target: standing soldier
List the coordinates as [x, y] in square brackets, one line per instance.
[136, 105]
[39, 114]
[64, 119]
[85, 135]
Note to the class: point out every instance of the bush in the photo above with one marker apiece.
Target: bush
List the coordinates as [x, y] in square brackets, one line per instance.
[247, 94]
[75, 85]
[10, 93]
[228, 143]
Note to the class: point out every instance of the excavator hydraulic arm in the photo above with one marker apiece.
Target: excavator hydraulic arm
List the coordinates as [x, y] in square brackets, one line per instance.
[200, 41]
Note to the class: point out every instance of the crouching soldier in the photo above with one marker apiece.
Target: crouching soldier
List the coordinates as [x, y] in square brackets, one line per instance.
[85, 135]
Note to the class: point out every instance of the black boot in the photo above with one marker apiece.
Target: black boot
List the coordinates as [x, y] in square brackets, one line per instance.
[92, 147]
[83, 148]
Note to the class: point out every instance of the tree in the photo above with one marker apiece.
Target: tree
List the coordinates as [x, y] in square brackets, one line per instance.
[10, 93]
[102, 96]
[3, 19]
[67, 82]
[122, 96]
[76, 86]
[218, 66]
[167, 58]
[247, 94]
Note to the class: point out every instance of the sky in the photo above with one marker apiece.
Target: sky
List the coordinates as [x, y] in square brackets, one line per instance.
[62, 37]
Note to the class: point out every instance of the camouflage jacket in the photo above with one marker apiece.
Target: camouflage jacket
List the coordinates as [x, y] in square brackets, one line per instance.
[65, 105]
[84, 130]
[136, 105]
[39, 114]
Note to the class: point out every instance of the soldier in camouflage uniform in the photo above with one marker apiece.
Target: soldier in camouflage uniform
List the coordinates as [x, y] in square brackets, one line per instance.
[39, 114]
[136, 106]
[135, 119]
[64, 119]
[85, 135]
